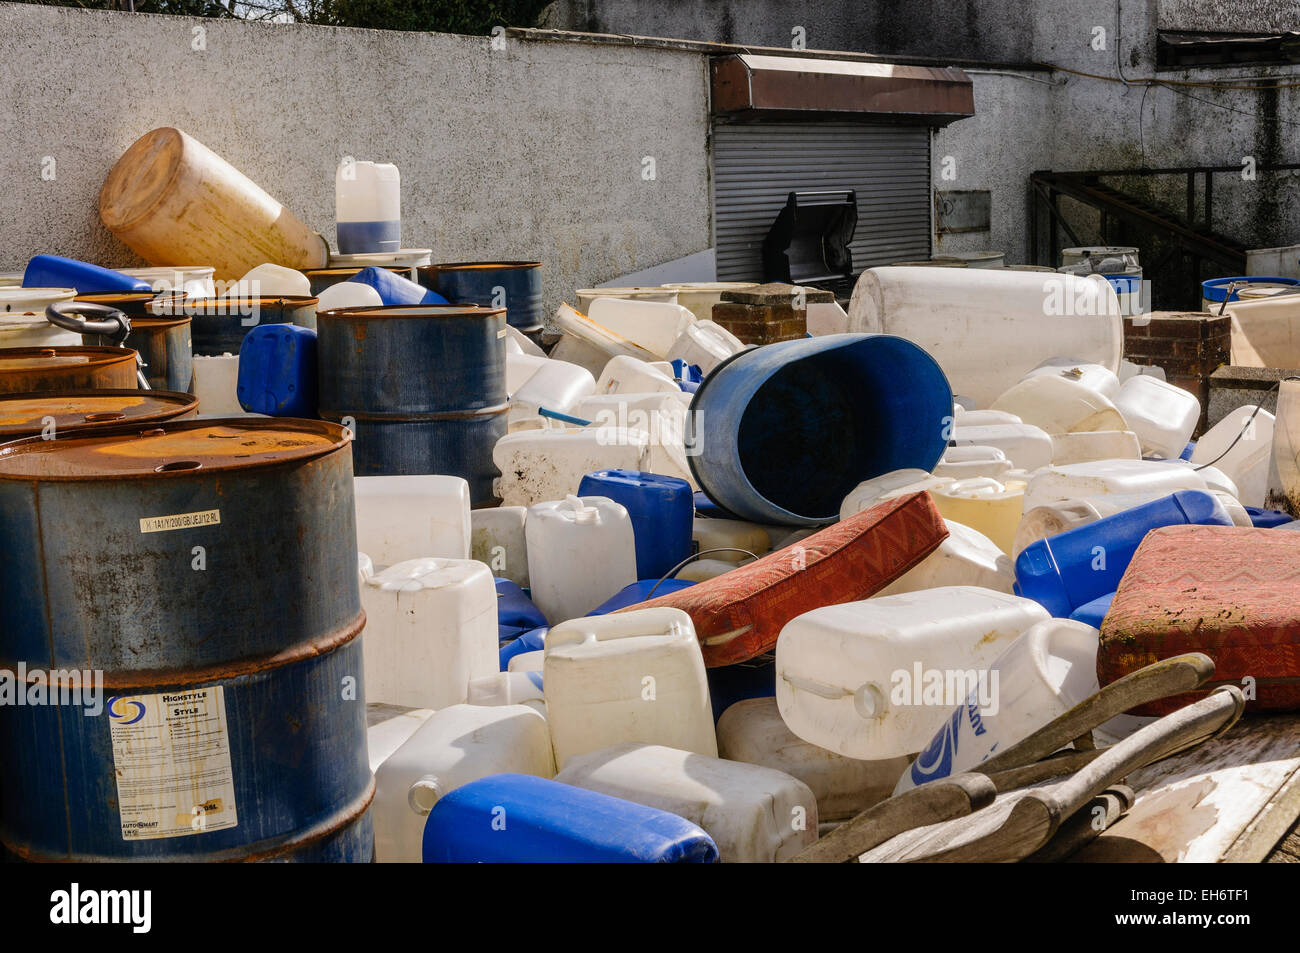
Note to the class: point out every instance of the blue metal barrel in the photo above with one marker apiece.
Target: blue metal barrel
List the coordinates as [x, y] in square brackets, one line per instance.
[780, 434]
[163, 341]
[422, 387]
[322, 278]
[218, 325]
[207, 568]
[514, 285]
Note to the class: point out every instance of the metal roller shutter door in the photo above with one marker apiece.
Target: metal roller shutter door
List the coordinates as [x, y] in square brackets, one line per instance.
[756, 165]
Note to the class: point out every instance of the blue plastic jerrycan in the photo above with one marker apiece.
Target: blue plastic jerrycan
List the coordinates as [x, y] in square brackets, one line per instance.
[277, 371]
[639, 592]
[394, 289]
[516, 613]
[55, 271]
[662, 512]
[1267, 519]
[1094, 612]
[534, 640]
[1063, 572]
[550, 822]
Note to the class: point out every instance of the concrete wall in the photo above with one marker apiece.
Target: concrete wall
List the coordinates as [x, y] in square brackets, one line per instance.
[531, 152]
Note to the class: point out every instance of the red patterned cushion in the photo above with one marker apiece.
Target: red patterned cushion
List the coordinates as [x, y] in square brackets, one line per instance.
[1230, 592]
[739, 614]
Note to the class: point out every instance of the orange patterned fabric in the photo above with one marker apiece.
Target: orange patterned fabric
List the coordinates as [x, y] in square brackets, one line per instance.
[739, 614]
[1230, 592]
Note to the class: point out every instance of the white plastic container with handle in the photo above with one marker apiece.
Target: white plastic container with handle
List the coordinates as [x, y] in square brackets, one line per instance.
[633, 676]
[368, 208]
[1042, 674]
[1241, 447]
[705, 344]
[581, 551]
[875, 679]
[408, 517]
[1162, 415]
[1059, 405]
[654, 325]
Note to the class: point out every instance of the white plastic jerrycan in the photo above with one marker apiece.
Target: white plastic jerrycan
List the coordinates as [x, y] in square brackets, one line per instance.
[508, 688]
[368, 207]
[526, 663]
[706, 344]
[431, 626]
[1101, 477]
[1026, 446]
[966, 558]
[729, 540]
[497, 538]
[216, 384]
[752, 731]
[875, 679]
[628, 375]
[1059, 405]
[270, 280]
[627, 677]
[754, 814]
[556, 385]
[964, 463]
[348, 294]
[988, 506]
[521, 366]
[1043, 674]
[1100, 379]
[409, 517]
[581, 551]
[655, 325]
[453, 747]
[1095, 445]
[1240, 446]
[887, 486]
[1162, 415]
[548, 464]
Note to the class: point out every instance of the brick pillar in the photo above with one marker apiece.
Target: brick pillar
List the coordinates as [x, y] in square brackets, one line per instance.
[767, 314]
[1188, 345]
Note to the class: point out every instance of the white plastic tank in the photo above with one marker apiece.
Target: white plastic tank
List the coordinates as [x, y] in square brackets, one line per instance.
[1059, 405]
[987, 328]
[455, 746]
[729, 536]
[388, 727]
[508, 688]
[548, 464]
[662, 409]
[195, 280]
[1162, 415]
[634, 676]
[1026, 446]
[1095, 445]
[700, 296]
[431, 626]
[409, 517]
[519, 366]
[631, 376]
[752, 731]
[664, 295]
[368, 207]
[581, 551]
[555, 385]
[22, 318]
[981, 418]
[705, 344]
[990, 507]
[875, 679]
[588, 344]
[963, 463]
[1240, 445]
[965, 558]
[1042, 674]
[702, 570]
[654, 325]
[216, 384]
[497, 538]
[754, 814]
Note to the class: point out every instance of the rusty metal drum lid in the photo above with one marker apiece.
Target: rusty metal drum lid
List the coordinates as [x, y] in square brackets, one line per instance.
[170, 449]
[25, 415]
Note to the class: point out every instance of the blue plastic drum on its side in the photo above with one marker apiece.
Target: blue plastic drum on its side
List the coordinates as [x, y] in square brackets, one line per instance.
[780, 434]
[422, 387]
[55, 271]
[662, 511]
[550, 822]
[514, 285]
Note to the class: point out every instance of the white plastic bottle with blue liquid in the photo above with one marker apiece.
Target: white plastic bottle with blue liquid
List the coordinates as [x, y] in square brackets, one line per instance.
[368, 207]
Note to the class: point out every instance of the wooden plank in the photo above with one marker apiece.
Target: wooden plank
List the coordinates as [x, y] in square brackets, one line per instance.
[1232, 798]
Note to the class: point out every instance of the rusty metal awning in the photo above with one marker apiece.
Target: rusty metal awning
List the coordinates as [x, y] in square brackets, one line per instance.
[748, 86]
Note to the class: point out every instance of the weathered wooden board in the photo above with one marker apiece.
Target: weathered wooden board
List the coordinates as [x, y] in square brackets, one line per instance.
[1231, 799]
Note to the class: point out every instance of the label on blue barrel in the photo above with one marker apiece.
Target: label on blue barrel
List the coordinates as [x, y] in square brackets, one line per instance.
[171, 755]
[160, 524]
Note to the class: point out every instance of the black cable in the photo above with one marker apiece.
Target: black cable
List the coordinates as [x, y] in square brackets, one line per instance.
[692, 558]
[1249, 420]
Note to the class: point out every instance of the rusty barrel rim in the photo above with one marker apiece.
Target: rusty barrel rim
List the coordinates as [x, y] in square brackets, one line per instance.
[104, 406]
[222, 307]
[171, 457]
[411, 311]
[96, 356]
[478, 266]
[137, 305]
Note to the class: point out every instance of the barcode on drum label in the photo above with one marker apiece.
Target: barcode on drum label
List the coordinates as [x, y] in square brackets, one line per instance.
[161, 524]
[171, 756]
